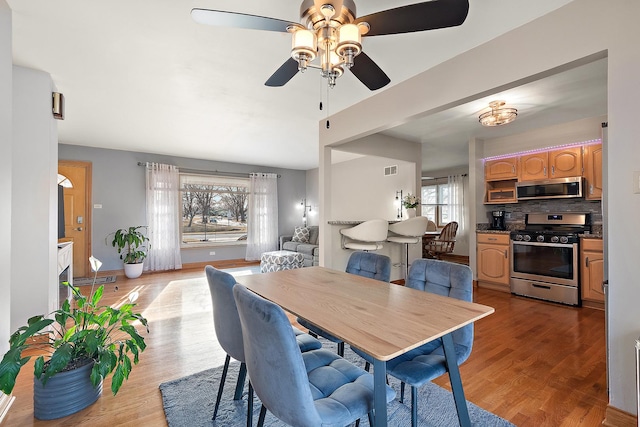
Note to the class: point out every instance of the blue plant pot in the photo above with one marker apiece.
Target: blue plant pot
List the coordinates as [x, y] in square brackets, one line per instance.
[65, 393]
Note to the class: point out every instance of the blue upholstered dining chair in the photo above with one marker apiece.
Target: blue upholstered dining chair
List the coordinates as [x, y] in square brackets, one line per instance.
[427, 362]
[311, 389]
[229, 331]
[366, 264]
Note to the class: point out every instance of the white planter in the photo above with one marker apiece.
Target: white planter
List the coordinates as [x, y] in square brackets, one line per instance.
[133, 271]
[411, 212]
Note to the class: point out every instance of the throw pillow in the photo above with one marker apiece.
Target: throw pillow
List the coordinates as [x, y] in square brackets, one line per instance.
[301, 235]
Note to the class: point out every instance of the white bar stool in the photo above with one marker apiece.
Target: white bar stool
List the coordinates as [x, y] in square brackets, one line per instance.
[408, 232]
[367, 236]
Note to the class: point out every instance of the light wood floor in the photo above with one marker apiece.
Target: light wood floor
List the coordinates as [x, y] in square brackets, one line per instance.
[533, 363]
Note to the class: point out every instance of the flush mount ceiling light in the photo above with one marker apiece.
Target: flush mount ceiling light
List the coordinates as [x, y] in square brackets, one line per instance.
[331, 31]
[499, 115]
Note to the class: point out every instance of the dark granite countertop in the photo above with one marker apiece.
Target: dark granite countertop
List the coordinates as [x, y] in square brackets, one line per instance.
[493, 231]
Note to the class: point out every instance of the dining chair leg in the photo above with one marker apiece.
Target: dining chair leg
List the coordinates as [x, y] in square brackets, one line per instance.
[221, 386]
[402, 392]
[263, 413]
[341, 349]
[242, 375]
[414, 406]
[367, 365]
[358, 422]
[250, 406]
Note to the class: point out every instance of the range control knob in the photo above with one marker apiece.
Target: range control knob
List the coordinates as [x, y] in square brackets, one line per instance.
[527, 238]
[554, 239]
[518, 237]
[564, 239]
[540, 238]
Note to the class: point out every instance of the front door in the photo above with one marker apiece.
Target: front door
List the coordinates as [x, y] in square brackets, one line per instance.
[77, 212]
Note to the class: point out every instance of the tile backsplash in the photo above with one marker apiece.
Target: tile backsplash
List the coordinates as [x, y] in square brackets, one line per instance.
[515, 212]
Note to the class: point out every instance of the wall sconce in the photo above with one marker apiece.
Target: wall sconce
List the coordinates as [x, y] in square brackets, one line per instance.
[304, 205]
[398, 203]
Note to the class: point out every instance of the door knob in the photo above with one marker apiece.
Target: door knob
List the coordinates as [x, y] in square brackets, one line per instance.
[79, 229]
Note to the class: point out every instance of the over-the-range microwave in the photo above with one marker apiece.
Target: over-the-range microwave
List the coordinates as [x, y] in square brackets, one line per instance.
[557, 188]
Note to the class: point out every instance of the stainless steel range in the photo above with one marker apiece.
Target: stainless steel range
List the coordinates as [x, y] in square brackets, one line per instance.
[545, 256]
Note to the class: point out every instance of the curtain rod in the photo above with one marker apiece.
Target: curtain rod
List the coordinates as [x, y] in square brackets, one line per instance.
[208, 172]
[429, 178]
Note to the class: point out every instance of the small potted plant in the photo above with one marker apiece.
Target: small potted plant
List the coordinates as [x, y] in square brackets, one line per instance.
[410, 202]
[86, 342]
[132, 245]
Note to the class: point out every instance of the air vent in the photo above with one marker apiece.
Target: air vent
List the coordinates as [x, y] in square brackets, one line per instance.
[391, 170]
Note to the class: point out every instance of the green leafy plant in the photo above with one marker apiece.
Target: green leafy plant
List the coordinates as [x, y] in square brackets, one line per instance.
[410, 201]
[132, 244]
[80, 334]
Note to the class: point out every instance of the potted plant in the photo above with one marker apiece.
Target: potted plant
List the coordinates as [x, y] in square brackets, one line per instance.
[86, 343]
[410, 202]
[132, 246]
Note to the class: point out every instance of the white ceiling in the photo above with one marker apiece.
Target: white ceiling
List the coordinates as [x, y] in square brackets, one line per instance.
[142, 76]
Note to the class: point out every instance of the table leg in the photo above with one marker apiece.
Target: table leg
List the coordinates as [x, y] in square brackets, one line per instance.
[456, 382]
[380, 393]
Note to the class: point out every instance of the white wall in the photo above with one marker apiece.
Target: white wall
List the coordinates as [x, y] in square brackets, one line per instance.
[312, 191]
[5, 173]
[582, 28]
[34, 279]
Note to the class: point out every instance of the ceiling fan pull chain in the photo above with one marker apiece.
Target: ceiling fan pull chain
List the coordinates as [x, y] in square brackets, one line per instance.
[328, 124]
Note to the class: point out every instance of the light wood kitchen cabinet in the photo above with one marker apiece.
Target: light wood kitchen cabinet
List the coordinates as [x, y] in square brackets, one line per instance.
[592, 271]
[493, 260]
[534, 166]
[592, 162]
[566, 162]
[499, 169]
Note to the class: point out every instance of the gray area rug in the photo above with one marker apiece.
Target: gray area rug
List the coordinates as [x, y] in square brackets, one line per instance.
[83, 281]
[189, 402]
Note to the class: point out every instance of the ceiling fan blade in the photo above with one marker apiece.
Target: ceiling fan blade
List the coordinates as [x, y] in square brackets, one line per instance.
[240, 20]
[429, 15]
[283, 74]
[368, 72]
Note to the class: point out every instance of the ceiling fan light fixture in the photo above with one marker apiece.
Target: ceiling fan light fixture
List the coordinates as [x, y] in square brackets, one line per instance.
[498, 115]
[349, 43]
[304, 47]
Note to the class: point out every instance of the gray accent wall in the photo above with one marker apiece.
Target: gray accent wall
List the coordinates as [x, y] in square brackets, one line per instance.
[119, 186]
[6, 83]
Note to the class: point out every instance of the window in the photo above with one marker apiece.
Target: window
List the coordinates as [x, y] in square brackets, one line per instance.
[214, 209]
[435, 203]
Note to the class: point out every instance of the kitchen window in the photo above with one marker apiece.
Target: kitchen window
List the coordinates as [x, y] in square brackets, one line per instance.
[435, 203]
[214, 210]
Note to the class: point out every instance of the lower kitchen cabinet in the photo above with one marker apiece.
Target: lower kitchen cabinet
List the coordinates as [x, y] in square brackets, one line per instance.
[493, 261]
[592, 271]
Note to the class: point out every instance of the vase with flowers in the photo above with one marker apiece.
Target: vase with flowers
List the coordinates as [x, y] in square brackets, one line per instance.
[410, 202]
[84, 343]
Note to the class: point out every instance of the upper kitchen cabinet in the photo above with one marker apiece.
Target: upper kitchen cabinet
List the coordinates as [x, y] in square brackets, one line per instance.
[534, 166]
[500, 169]
[561, 163]
[592, 158]
[565, 162]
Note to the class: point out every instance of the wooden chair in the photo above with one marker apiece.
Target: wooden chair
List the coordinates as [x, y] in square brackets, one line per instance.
[444, 243]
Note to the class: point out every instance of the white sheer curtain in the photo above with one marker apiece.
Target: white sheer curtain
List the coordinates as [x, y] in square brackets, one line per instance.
[262, 224]
[458, 211]
[163, 217]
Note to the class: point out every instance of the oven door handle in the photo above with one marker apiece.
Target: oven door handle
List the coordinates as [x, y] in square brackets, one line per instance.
[556, 245]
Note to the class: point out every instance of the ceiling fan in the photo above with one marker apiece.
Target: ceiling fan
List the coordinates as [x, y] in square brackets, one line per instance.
[329, 30]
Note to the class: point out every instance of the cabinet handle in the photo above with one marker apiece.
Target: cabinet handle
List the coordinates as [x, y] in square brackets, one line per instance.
[513, 168]
[553, 170]
[591, 189]
[586, 262]
[544, 171]
[492, 238]
[505, 254]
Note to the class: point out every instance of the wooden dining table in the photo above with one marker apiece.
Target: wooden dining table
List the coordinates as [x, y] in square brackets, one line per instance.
[383, 320]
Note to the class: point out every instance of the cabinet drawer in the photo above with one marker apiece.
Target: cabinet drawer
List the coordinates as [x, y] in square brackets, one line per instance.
[592, 245]
[494, 238]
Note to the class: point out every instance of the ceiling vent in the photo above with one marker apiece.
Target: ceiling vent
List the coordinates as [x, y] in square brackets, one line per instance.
[391, 170]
